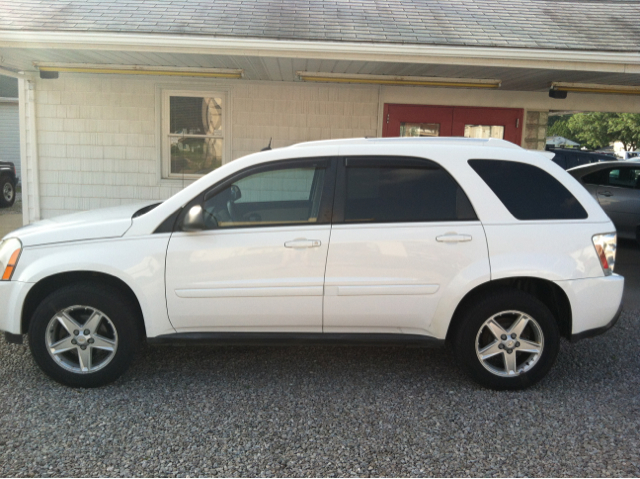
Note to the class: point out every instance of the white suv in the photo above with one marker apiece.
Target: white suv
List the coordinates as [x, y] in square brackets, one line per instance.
[476, 242]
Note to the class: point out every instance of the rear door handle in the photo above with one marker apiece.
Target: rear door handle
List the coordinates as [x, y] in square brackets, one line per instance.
[302, 243]
[453, 238]
[606, 193]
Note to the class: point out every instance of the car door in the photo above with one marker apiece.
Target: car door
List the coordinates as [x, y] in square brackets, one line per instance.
[259, 263]
[620, 198]
[403, 233]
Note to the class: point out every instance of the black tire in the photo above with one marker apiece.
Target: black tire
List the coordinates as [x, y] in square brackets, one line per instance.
[79, 301]
[7, 192]
[472, 330]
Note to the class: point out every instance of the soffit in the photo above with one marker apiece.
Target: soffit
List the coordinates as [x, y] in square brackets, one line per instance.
[284, 69]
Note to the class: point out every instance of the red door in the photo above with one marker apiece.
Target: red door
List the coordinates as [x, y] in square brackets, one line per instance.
[402, 120]
[420, 120]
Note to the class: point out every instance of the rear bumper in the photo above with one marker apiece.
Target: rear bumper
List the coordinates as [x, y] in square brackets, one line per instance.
[12, 296]
[596, 304]
[590, 333]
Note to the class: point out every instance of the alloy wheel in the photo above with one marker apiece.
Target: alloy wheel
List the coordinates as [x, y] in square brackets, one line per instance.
[509, 343]
[81, 339]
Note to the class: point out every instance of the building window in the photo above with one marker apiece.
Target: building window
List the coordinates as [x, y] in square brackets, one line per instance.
[194, 133]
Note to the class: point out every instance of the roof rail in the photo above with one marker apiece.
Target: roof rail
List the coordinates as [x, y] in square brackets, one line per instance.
[440, 140]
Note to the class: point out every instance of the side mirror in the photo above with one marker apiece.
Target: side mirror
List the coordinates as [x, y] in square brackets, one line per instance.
[194, 219]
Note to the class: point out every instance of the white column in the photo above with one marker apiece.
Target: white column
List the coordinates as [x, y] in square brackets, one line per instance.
[29, 151]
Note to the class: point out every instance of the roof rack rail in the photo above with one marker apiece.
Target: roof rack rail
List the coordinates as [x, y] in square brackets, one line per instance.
[440, 140]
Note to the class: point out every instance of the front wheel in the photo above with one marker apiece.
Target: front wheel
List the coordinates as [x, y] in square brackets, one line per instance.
[84, 335]
[7, 192]
[508, 340]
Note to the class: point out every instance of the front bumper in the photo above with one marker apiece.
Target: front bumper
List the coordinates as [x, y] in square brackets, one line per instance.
[596, 304]
[12, 296]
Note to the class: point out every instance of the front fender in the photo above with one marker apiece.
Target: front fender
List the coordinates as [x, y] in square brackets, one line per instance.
[139, 262]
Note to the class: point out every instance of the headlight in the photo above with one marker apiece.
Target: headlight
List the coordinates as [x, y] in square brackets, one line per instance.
[10, 250]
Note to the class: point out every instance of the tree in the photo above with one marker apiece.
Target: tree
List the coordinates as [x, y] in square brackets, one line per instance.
[597, 130]
[626, 128]
[559, 126]
[592, 129]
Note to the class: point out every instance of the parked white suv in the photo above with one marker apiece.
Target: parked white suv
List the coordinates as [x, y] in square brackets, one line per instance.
[476, 242]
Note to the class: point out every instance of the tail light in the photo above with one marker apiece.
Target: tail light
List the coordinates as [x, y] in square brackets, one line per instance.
[605, 245]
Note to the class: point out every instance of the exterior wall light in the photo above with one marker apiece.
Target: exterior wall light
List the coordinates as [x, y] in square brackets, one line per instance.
[560, 88]
[46, 68]
[398, 80]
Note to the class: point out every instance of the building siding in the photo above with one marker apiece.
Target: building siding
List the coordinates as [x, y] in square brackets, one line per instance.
[98, 135]
[99, 138]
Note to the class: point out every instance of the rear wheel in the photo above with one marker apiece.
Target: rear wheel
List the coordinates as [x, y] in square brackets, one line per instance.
[7, 192]
[508, 340]
[84, 335]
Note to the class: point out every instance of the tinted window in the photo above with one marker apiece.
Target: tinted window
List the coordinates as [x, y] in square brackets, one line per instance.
[600, 177]
[528, 192]
[624, 177]
[384, 192]
[620, 177]
[282, 196]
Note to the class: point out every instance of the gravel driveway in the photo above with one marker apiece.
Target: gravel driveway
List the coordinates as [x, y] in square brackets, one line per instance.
[326, 411]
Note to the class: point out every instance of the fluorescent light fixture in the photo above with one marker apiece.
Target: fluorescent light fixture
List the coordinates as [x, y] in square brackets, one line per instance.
[233, 73]
[398, 80]
[595, 88]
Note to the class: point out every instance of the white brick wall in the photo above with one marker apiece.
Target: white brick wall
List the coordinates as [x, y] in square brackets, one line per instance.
[97, 134]
[291, 113]
[96, 138]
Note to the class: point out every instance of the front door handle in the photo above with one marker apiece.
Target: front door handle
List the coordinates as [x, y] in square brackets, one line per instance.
[302, 243]
[453, 238]
[606, 193]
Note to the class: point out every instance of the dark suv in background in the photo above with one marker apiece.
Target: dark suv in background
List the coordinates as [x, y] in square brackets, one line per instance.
[8, 182]
[570, 158]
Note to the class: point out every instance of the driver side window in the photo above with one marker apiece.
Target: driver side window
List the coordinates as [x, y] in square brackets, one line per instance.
[276, 197]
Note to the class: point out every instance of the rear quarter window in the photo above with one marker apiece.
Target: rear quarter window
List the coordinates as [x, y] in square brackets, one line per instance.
[528, 192]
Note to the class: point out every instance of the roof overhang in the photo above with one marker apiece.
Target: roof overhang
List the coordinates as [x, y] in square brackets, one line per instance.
[599, 61]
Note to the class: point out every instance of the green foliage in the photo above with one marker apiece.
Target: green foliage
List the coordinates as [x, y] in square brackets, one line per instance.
[559, 126]
[626, 128]
[597, 130]
[592, 129]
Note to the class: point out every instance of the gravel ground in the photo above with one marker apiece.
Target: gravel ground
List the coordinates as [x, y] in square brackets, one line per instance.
[326, 411]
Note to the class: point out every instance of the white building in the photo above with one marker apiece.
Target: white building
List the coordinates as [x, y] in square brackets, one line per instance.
[129, 100]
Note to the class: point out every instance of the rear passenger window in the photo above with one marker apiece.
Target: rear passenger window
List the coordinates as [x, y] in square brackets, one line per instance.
[597, 178]
[528, 192]
[393, 190]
